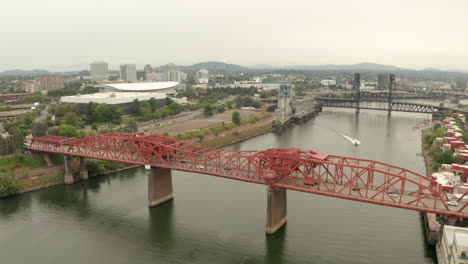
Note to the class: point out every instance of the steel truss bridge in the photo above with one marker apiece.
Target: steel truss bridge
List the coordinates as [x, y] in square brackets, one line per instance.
[395, 106]
[294, 169]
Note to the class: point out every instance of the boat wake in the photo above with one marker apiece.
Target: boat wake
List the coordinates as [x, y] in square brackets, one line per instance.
[352, 140]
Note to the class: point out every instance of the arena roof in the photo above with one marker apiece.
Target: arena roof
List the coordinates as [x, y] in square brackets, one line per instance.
[140, 87]
[111, 98]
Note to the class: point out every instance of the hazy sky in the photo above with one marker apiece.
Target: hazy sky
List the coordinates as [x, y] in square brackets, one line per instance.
[64, 34]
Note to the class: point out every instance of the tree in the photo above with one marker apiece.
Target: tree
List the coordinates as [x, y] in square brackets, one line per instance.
[38, 129]
[71, 118]
[153, 104]
[236, 118]
[115, 114]
[15, 140]
[102, 113]
[208, 111]
[90, 112]
[169, 101]
[8, 184]
[68, 131]
[131, 127]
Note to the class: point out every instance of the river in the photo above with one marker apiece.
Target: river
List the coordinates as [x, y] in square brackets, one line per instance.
[214, 220]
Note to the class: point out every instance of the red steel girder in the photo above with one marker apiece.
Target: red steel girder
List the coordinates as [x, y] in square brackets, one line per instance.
[295, 169]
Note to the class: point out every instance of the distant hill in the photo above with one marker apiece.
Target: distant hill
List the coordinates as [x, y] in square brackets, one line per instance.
[431, 70]
[23, 73]
[327, 67]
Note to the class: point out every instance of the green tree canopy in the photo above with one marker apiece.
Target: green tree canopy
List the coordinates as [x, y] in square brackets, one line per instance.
[65, 130]
[38, 129]
[236, 118]
[8, 184]
[208, 111]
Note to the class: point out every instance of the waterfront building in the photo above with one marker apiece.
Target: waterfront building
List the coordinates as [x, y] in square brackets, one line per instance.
[203, 76]
[453, 247]
[50, 82]
[128, 72]
[99, 71]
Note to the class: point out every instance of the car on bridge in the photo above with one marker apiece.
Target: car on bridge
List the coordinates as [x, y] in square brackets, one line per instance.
[452, 203]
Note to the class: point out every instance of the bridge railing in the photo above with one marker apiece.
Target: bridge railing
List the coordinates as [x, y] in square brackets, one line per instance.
[307, 171]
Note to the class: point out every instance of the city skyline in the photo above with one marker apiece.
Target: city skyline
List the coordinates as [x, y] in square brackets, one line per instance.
[416, 35]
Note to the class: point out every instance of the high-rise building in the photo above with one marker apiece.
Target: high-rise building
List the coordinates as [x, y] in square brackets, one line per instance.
[203, 76]
[50, 82]
[148, 68]
[141, 75]
[172, 75]
[128, 72]
[171, 67]
[383, 81]
[99, 71]
[30, 86]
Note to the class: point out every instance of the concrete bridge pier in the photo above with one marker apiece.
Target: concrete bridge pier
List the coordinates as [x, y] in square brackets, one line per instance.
[276, 210]
[68, 170]
[159, 186]
[83, 170]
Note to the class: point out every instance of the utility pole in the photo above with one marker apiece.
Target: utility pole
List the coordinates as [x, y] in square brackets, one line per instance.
[357, 88]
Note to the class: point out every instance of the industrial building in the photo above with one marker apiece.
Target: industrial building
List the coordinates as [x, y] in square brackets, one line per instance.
[123, 100]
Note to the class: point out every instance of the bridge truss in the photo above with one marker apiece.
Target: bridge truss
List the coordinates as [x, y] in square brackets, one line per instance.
[295, 169]
[396, 106]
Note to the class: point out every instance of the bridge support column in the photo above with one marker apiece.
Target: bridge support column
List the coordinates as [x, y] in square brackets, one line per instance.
[83, 170]
[68, 170]
[276, 210]
[159, 186]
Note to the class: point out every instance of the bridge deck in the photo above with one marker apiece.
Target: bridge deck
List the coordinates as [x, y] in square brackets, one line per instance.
[312, 172]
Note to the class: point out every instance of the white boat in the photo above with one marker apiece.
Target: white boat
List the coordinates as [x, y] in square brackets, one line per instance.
[353, 140]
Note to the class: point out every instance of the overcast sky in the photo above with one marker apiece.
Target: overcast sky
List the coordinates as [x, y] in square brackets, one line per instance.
[62, 34]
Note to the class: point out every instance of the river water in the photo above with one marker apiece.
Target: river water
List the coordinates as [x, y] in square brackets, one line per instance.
[214, 220]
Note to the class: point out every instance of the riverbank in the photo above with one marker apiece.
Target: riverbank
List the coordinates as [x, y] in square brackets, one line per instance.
[236, 134]
[431, 225]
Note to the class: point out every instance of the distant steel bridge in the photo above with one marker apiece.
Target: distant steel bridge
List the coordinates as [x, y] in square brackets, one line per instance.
[395, 106]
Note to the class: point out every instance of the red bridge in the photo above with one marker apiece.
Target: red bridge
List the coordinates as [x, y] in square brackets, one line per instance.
[280, 169]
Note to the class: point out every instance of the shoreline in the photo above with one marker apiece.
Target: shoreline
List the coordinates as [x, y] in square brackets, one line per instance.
[250, 133]
[431, 226]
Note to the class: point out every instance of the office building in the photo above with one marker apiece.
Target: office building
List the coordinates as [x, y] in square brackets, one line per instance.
[172, 75]
[30, 86]
[141, 75]
[128, 72]
[383, 81]
[99, 71]
[148, 68]
[203, 76]
[50, 82]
